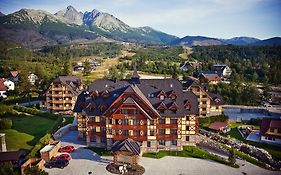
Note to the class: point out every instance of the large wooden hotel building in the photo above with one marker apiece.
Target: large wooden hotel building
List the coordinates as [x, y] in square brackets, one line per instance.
[155, 112]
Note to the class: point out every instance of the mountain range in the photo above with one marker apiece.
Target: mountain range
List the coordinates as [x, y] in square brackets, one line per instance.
[35, 28]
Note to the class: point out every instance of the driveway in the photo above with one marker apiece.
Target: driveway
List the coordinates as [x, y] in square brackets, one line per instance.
[85, 161]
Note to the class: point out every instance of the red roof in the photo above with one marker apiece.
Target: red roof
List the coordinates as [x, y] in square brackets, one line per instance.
[218, 125]
[2, 86]
[267, 123]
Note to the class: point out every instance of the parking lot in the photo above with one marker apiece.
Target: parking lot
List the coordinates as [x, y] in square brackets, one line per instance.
[86, 162]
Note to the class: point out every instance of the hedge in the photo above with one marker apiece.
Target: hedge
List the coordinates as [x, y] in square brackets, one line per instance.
[208, 120]
[6, 123]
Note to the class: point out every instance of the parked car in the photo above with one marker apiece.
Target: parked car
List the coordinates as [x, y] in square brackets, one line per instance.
[67, 149]
[56, 163]
[62, 157]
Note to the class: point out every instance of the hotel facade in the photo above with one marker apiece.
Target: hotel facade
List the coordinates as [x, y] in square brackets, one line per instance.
[155, 113]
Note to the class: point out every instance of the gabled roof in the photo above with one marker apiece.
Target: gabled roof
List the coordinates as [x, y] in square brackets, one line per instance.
[210, 77]
[218, 125]
[216, 99]
[193, 101]
[128, 145]
[266, 124]
[72, 82]
[10, 156]
[143, 90]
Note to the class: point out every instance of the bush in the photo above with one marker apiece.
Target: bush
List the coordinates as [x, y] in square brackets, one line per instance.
[6, 123]
[5, 109]
[208, 120]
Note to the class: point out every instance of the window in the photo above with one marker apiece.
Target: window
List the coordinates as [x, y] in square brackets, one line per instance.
[92, 119]
[174, 121]
[217, 107]
[187, 128]
[203, 109]
[136, 132]
[271, 130]
[152, 133]
[174, 142]
[187, 138]
[161, 121]
[125, 132]
[136, 111]
[124, 121]
[124, 111]
[162, 131]
[204, 96]
[279, 130]
[161, 142]
[173, 131]
[136, 122]
[148, 144]
[162, 97]
[204, 102]
[93, 139]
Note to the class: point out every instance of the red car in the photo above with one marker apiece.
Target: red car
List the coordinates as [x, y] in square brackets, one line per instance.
[62, 157]
[66, 149]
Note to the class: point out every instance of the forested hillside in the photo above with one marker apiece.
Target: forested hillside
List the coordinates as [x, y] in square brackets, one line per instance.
[252, 63]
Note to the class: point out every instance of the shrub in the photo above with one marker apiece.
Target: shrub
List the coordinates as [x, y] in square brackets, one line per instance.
[6, 123]
[5, 109]
[208, 120]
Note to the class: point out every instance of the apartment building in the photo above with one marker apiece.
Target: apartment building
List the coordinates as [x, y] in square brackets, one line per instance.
[61, 94]
[154, 112]
[209, 103]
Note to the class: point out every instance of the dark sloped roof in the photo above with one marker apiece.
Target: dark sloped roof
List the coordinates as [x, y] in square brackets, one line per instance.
[146, 90]
[211, 77]
[193, 101]
[127, 145]
[72, 82]
[10, 156]
[216, 99]
[218, 125]
[266, 125]
[275, 124]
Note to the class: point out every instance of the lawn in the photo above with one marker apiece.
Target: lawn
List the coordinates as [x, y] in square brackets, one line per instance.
[100, 151]
[275, 151]
[26, 131]
[190, 151]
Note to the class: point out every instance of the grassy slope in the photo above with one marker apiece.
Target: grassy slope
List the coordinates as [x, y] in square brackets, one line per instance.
[26, 131]
[273, 150]
[190, 151]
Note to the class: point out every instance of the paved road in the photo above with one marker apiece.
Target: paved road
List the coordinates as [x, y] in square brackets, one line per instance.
[85, 161]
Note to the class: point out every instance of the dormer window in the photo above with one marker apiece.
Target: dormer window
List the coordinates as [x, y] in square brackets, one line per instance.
[91, 106]
[162, 107]
[173, 95]
[105, 94]
[187, 105]
[94, 93]
[161, 95]
[102, 107]
[173, 107]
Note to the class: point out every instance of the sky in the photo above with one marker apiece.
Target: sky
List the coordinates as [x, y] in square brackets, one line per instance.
[212, 18]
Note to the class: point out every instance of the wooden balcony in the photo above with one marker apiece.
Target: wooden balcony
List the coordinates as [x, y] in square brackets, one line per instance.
[129, 127]
[95, 124]
[167, 125]
[129, 116]
[94, 133]
[166, 136]
[124, 137]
